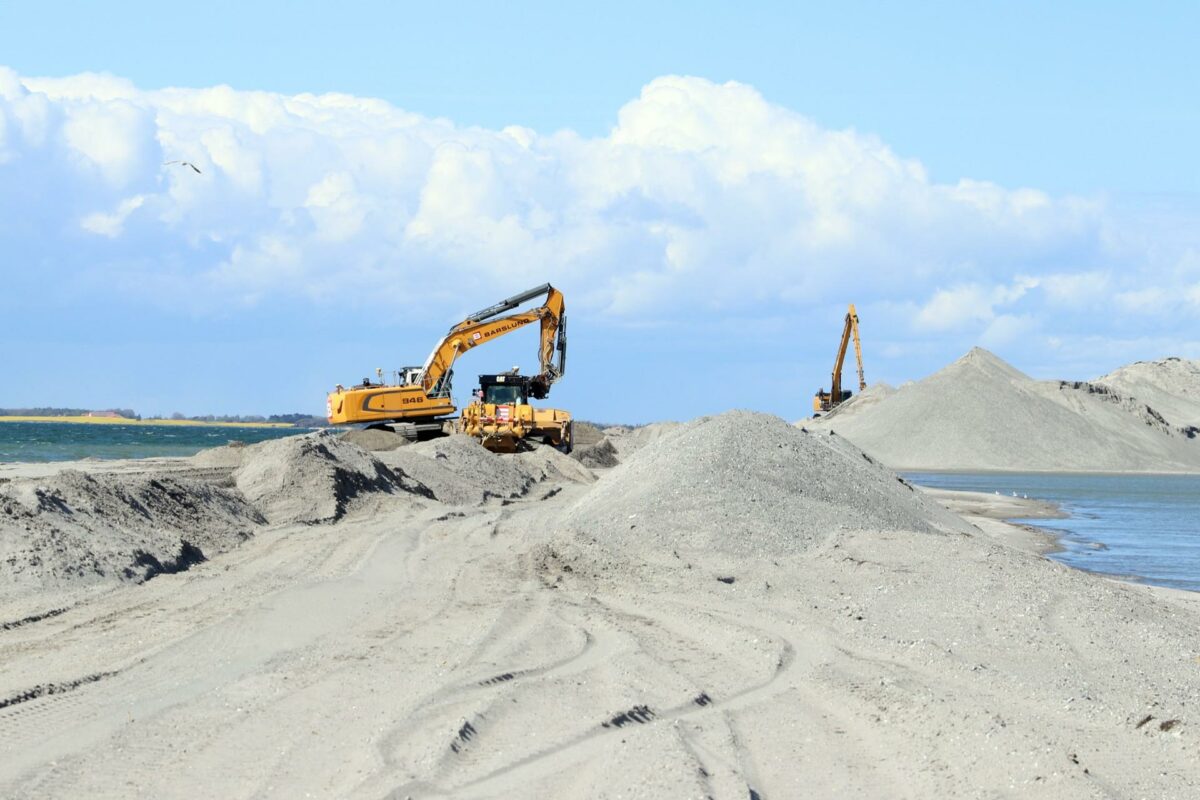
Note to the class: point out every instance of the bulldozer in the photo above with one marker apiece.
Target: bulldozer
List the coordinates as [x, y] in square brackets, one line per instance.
[418, 403]
[825, 401]
[501, 417]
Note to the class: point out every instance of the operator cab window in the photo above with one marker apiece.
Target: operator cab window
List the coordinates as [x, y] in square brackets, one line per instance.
[502, 395]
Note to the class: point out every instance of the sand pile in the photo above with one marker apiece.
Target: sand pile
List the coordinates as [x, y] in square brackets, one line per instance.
[591, 447]
[629, 440]
[374, 439]
[1171, 386]
[585, 433]
[748, 484]
[459, 471]
[315, 478]
[83, 528]
[225, 457]
[981, 413]
[89, 527]
[601, 454]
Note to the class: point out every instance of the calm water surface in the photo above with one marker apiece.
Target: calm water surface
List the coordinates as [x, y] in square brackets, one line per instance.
[64, 441]
[1139, 527]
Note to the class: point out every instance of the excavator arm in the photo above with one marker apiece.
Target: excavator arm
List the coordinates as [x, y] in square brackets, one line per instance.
[835, 387]
[862, 381]
[488, 324]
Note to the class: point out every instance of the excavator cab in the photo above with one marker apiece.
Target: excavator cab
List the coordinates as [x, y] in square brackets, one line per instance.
[823, 400]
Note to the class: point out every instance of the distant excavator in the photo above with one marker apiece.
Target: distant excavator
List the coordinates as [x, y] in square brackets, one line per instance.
[419, 403]
[827, 401]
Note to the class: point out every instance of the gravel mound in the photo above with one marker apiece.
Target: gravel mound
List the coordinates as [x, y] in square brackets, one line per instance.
[315, 478]
[980, 413]
[374, 439]
[460, 471]
[747, 484]
[1171, 386]
[227, 456]
[602, 454]
[81, 527]
[629, 440]
[585, 433]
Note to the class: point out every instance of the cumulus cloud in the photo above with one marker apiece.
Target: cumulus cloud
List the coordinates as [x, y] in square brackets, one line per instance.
[703, 200]
[701, 193]
[960, 306]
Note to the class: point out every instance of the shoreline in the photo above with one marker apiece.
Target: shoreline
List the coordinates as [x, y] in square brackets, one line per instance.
[995, 514]
[145, 422]
[1031, 471]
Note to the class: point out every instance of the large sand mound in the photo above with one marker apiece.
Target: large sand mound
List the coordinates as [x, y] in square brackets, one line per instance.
[1171, 386]
[81, 528]
[315, 478]
[981, 413]
[748, 484]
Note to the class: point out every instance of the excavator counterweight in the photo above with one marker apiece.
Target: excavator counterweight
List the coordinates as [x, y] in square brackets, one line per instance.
[827, 401]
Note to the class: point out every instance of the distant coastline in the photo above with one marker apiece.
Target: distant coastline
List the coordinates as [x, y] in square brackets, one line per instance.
[82, 420]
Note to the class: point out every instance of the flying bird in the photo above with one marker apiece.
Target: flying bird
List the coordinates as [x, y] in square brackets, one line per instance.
[186, 164]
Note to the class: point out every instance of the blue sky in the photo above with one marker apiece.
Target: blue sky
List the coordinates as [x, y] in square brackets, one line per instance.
[1015, 175]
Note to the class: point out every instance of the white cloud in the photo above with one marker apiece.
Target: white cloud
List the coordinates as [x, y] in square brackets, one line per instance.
[960, 306]
[1075, 289]
[950, 309]
[1007, 328]
[703, 199]
[111, 225]
[1150, 300]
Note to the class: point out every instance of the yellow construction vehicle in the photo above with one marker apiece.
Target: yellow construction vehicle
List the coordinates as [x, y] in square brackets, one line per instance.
[420, 401]
[501, 417]
[826, 401]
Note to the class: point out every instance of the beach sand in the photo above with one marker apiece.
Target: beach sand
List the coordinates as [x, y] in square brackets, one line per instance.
[738, 609]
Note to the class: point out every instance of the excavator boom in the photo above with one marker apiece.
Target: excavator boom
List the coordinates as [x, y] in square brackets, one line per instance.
[484, 326]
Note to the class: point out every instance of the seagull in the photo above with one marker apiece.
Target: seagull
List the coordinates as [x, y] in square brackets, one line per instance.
[186, 164]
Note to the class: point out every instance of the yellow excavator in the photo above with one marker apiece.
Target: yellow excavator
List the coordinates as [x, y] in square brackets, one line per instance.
[826, 401]
[419, 402]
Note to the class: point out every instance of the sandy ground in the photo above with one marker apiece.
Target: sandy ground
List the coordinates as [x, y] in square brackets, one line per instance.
[415, 648]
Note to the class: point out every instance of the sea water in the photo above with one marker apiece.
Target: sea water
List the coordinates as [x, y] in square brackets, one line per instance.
[1143, 528]
[66, 441]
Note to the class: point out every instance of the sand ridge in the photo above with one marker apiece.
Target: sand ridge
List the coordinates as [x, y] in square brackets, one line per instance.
[1171, 386]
